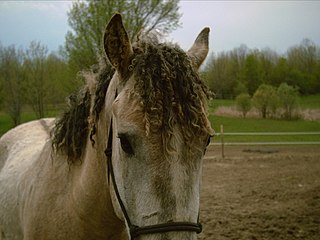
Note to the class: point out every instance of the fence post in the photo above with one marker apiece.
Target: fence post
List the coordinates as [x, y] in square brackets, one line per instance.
[222, 140]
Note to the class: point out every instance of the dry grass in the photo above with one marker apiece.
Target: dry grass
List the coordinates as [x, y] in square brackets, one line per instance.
[231, 111]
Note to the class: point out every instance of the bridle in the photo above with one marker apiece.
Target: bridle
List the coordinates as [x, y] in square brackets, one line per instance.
[135, 230]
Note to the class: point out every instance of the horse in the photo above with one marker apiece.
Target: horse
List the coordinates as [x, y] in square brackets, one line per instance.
[124, 161]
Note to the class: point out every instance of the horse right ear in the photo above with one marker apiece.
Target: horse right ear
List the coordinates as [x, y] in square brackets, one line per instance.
[199, 50]
[117, 45]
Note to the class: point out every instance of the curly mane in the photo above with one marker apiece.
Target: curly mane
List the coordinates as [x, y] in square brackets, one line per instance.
[71, 130]
[171, 90]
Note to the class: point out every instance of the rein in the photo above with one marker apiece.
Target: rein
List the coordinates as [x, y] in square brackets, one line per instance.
[136, 231]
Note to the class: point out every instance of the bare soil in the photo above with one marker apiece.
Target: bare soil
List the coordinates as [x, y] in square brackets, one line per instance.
[261, 192]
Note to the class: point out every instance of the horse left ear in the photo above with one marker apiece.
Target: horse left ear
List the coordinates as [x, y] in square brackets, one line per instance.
[117, 45]
[199, 50]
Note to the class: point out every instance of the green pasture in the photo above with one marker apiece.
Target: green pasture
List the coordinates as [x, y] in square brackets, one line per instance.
[233, 124]
[250, 125]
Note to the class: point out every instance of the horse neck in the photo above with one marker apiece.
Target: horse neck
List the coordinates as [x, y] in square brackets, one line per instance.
[93, 169]
[91, 198]
[91, 192]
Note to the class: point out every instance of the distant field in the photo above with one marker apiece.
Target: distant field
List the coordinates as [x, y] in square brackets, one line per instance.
[231, 124]
[304, 102]
[265, 125]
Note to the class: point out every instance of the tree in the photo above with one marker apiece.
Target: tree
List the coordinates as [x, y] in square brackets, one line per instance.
[304, 62]
[265, 100]
[240, 88]
[280, 72]
[217, 75]
[243, 103]
[11, 81]
[222, 74]
[37, 84]
[1, 83]
[268, 60]
[243, 70]
[251, 74]
[58, 78]
[88, 20]
[288, 96]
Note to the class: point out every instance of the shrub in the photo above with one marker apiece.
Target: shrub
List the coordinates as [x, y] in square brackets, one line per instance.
[265, 99]
[288, 96]
[243, 103]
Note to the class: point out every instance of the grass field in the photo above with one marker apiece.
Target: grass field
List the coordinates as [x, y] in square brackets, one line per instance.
[233, 124]
[264, 125]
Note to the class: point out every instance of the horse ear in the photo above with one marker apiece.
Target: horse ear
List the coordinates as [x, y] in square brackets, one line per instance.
[117, 45]
[199, 50]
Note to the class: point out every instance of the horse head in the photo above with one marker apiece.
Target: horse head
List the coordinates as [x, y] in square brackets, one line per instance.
[158, 133]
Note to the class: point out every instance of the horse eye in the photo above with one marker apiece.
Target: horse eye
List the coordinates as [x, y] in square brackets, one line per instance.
[208, 141]
[125, 144]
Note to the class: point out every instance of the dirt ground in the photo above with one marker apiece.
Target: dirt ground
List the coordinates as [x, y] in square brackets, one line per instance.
[261, 192]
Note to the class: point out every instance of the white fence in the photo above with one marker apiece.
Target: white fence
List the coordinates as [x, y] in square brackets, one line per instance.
[222, 134]
[222, 143]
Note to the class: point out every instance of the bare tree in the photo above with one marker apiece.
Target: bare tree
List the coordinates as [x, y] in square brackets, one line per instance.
[11, 81]
[37, 84]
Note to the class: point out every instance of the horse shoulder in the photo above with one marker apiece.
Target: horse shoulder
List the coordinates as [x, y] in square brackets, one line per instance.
[20, 149]
[19, 145]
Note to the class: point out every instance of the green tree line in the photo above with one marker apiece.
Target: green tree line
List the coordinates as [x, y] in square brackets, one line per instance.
[243, 70]
[36, 78]
[31, 77]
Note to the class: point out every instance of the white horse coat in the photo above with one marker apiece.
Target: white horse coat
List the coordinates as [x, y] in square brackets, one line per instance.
[20, 150]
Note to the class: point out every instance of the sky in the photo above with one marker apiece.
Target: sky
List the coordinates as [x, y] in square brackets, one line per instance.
[258, 24]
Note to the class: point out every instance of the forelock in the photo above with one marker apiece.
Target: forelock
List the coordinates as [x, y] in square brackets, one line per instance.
[170, 89]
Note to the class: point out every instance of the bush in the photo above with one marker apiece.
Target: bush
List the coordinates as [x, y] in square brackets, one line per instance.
[265, 99]
[243, 103]
[288, 97]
